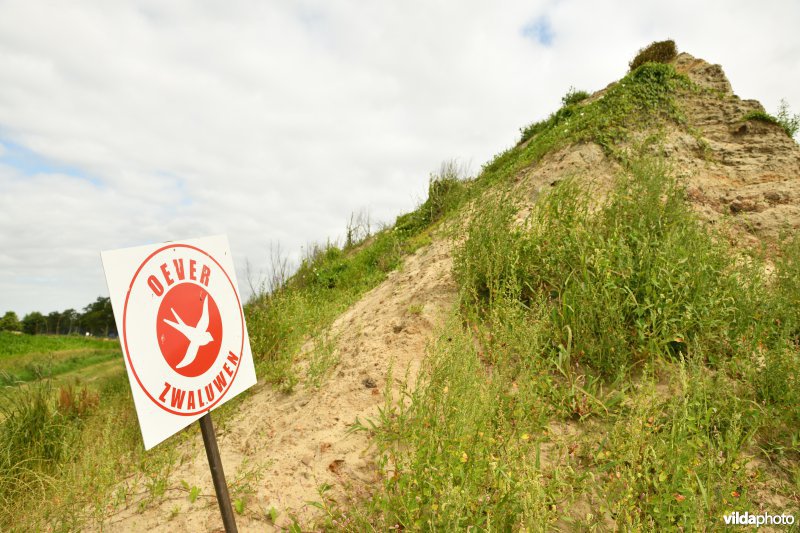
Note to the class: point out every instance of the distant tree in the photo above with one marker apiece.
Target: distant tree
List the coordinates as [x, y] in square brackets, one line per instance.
[54, 323]
[70, 321]
[34, 323]
[10, 322]
[98, 317]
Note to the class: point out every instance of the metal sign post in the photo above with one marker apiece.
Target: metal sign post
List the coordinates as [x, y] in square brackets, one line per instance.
[217, 473]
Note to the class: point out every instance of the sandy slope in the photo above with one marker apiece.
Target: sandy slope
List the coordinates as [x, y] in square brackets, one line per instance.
[299, 441]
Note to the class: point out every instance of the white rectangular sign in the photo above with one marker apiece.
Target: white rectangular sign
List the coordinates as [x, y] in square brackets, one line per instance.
[182, 330]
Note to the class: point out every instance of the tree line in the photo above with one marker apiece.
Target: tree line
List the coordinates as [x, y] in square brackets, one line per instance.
[97, 319]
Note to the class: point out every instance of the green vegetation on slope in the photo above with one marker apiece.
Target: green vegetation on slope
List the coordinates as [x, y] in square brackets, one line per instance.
[330, 279]
[612, 367]
[784, 118]
[635, 279]
[644, 99]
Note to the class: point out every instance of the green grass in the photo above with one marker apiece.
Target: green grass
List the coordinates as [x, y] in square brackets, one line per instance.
[32, 367]
[761, 116]
[51, 388]
[26, 358]
[12, 344]
[611, 365]
[35, 438]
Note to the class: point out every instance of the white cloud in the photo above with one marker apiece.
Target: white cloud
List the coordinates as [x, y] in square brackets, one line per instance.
[273, 121]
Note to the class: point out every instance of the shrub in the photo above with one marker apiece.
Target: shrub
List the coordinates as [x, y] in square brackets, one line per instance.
[446, 190]
[656, 52]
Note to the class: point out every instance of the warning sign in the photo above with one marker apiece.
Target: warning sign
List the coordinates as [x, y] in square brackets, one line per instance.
[182, 330]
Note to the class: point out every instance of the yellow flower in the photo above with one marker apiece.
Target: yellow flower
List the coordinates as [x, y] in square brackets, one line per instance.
[464, 457]
[525, 437]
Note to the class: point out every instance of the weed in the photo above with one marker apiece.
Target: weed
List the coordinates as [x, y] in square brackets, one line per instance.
[331, 278]
[359, 229]
[325, 284]
[193, 491]
[76, 403]
[622, 316]
[35, 438]
[642, 99]
[416, 309]
[790, 122]
[324, 358]
[447, 190]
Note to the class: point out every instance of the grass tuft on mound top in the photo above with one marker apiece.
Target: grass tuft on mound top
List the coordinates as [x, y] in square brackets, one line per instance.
[655, 52]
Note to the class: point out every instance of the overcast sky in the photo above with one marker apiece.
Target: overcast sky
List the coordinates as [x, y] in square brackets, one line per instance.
[125, 123]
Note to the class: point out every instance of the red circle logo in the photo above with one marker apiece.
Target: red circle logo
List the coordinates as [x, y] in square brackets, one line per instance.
[189, 329]
[183, 329]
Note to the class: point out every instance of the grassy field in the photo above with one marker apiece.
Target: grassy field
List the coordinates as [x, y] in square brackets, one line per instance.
[26, 358]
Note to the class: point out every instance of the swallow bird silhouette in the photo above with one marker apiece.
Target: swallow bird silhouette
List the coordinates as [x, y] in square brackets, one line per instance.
[198, 335]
